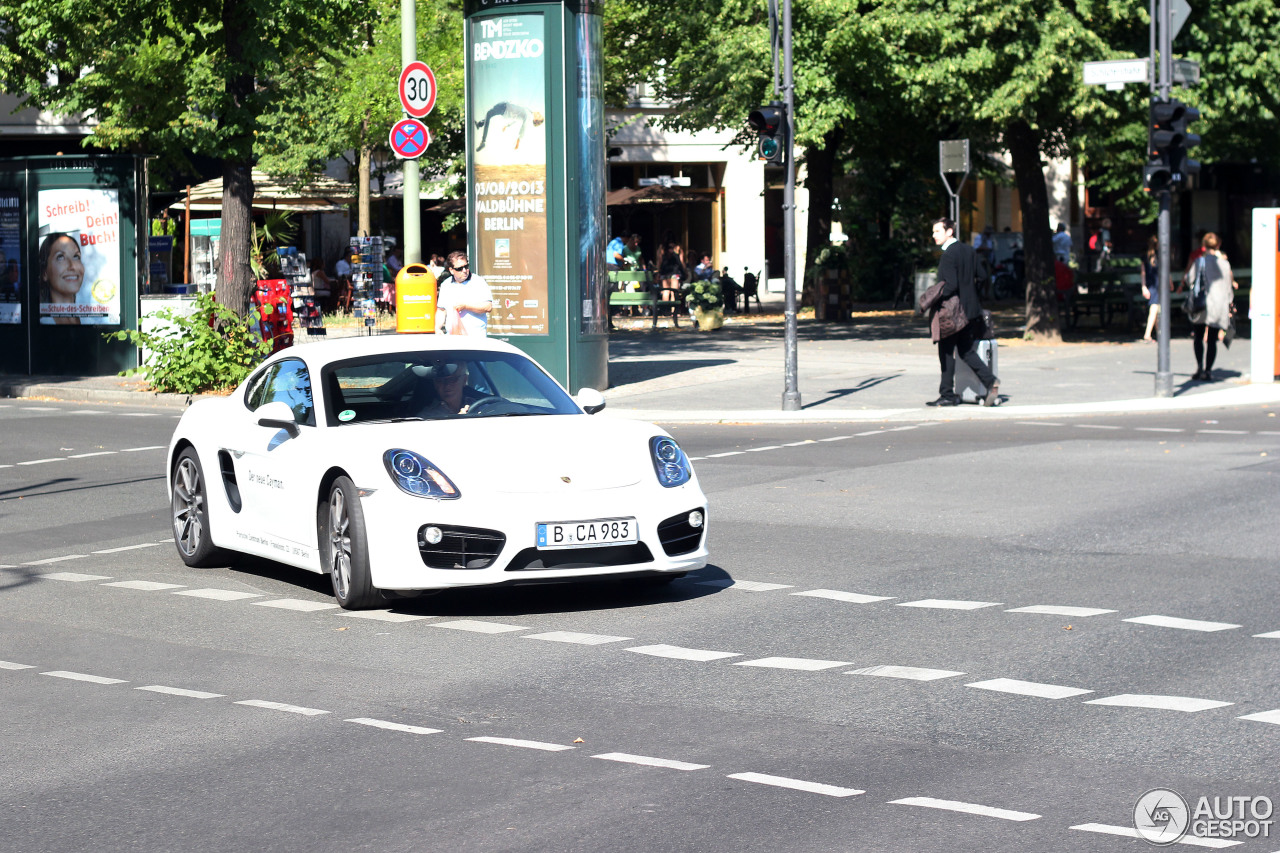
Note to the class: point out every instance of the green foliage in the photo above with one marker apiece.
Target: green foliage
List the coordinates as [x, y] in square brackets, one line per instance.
[703, 295]
[277, 229]
[207, 350]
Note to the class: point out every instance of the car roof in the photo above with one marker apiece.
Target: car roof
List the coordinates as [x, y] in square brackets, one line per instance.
[324, 352]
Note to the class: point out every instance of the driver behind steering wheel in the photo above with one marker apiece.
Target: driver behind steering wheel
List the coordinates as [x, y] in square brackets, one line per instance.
[454, 396]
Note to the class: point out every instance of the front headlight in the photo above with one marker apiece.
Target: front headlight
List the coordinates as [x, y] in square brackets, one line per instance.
[415, 474]
[669, 461]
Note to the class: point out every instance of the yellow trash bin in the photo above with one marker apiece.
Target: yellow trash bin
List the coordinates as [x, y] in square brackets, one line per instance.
[415, 299]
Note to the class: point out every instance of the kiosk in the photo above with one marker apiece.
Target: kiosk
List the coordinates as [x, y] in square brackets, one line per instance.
[536, 179]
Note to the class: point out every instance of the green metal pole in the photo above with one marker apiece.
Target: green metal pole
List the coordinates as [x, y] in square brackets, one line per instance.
[412, 225]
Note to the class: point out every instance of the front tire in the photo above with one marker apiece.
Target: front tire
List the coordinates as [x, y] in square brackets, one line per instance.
[190, 512]
[345, 548]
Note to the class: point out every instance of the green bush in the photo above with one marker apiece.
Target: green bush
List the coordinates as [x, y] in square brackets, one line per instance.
[207, 350]
[703, 294]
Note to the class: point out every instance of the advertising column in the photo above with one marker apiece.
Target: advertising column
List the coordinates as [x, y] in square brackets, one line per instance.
[11, 291]
[507, 91]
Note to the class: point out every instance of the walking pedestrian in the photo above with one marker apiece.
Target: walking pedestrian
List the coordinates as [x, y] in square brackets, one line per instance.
[465, 299]
[955, 272]
[1211, 274]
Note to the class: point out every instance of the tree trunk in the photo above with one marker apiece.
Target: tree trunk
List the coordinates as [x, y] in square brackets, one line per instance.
[1037, 240]
[364, 217]
[235, 275]
[819, 181]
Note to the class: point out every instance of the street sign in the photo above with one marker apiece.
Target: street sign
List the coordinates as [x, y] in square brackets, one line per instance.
[1116, 71]
[409, 138]
[1179, 11]
[417, 89]
[1186, 72]
[953, 155]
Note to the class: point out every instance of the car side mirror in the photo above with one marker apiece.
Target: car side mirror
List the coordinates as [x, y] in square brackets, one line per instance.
[590, 400]
[277, 415]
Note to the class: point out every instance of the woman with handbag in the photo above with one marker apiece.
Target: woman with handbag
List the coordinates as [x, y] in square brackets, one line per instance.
[1208, 304]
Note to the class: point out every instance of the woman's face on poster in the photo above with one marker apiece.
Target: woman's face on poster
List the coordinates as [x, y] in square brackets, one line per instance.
[64, 271]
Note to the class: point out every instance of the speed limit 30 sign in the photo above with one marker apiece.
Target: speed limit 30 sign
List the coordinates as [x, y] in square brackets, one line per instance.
[417, 89]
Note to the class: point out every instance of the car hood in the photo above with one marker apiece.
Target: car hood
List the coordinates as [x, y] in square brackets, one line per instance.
[532, 454]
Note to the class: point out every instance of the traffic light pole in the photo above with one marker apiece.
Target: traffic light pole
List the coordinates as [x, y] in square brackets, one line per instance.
[791, 394]
[1164, 375]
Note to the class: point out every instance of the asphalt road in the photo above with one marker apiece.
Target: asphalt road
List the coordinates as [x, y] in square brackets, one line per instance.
[857, 669]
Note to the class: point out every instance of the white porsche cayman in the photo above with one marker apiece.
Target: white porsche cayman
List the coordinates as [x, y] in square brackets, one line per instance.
[407, 463]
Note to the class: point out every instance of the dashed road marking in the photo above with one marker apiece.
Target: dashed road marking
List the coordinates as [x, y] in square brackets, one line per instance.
[650, 762]
[181, 691]
[726, 453]
[69, 577]
[911, 673]
[746, 586]
[680, 653]
[384, 615]
[94, 453]
[1159, 703]
[1263, 717]
[218, 594]
[949, 604]
[39, 409]
[523, 744]
[1223, 431]
[138, 449]
[804, 664]
[836, 438]
[766, 447]
[127, 548]
[575, 637]
[145, 586]
[281, 706]
[967, 808]
[1130, 832]
[87, 412]
[479, 627]
[796, 784]
[394, 727]
[42, 461]
[1058, 610]
[837, 595]
[1038, 423]
[139, 414]
[1158, 429]
[1184, 624]
[81, 676]
[1270, 635]
[1028, 688]
[8, 664]
[297, 604]
[1096, 426]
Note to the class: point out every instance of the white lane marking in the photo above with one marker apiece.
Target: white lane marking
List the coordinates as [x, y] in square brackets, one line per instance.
[680, 653]
[281, 706]
[1028, 688]
[575, 637]
[967, 808]
[1037, 423]
[80, 676]
[70, 577]
[395, 727]
[137, 449]
[696, 458]
[94, 453]
[799, 443]
[1059, 610]
[126, 548]
[796, 784]
[913, 673]
[726, 453]
[1185, 624]
[180, 691]
[1096, 426]
[478, 626]
[902, 428]
[1270, 635]
[297, 604]
[523, 744]
[1158, 429]
[746, 586]
[650, 762]
[42, 461]
[837, 595]
[766, 447]
[87, 412]
[836, 438]
[1130, 832]
[6, 664]
[145, 586]
[138, 414]
[383, 615]
[1160, 703]
[1263, 717]
[1268, 432]
[1223, 431]
[39, 409]
[868, 432]
[6, 466]
[218, 594]
[805, 664]
[949, 604]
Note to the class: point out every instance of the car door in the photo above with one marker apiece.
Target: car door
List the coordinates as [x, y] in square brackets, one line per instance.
[274, 462]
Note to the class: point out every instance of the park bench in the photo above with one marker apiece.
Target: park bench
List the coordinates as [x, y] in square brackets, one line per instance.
[643, 296]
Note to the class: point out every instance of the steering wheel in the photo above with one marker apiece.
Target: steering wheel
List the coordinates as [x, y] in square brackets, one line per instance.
[492, 399]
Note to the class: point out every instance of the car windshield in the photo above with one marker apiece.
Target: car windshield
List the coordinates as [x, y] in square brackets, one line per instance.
[438, 386]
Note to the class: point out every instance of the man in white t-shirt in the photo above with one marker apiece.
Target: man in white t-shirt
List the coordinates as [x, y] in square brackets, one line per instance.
[464, 301]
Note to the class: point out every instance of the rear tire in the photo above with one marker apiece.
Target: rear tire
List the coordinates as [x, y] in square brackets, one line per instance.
[344, 547]
[190, 512]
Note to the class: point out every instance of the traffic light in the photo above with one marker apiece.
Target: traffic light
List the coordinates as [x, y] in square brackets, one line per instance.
[1168, 139]
[770, 123]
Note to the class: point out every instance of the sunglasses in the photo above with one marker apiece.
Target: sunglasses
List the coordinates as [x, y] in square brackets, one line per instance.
[461, 268]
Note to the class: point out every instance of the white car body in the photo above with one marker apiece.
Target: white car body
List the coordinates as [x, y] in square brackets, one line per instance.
[512, 474]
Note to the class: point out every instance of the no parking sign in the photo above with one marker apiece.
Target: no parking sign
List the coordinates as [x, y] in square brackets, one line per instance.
[409, 138]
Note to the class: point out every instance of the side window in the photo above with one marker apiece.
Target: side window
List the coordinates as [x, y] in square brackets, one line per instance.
[291, 383]
[257, 392]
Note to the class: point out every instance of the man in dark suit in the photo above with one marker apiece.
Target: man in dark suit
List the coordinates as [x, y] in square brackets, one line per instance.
[955, 270]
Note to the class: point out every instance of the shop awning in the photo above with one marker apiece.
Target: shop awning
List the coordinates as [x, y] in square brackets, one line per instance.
[655, 194]
[319, 194]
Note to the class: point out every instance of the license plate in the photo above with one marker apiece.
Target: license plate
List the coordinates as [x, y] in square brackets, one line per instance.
[585, 534]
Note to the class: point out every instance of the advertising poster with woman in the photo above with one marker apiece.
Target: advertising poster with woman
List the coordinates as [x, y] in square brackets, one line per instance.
[509, 150]
[77, 257]
[10, 255]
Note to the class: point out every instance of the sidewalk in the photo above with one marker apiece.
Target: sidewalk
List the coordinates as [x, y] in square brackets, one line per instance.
[880, 367]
